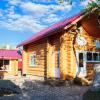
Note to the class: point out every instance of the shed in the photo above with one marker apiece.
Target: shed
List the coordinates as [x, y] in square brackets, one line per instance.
[9, 62]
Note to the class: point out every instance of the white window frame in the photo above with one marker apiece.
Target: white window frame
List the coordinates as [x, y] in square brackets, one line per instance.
[92, 57]
[8, 66]
[30, 63]
[84, 60]
[81, 69]
[97, 43]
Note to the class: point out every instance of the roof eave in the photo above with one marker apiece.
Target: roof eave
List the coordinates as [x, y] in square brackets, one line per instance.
[68, 25]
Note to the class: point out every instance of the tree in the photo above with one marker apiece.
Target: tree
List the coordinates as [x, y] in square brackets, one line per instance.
[90, 6]
[91, 3]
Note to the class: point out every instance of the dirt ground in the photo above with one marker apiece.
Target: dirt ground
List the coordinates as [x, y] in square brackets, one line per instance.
[32, 90]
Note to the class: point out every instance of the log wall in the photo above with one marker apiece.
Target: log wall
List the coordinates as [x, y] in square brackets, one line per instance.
[63, 41]
[90, 46]
[40, 48]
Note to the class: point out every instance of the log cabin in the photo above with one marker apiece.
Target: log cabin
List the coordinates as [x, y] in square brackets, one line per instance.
[65, 50]
[9, 61]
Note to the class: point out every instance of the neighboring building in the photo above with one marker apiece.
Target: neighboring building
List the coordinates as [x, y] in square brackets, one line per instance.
[64, 50]
[8, 46]
[9, 61]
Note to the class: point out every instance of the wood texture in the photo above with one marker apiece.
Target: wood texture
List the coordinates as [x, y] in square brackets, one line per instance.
[40, 49]
[65, 42]
[12, 71]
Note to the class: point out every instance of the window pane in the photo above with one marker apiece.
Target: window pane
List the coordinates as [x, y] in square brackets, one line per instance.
[6, 62]
[95, 56]
[32, 59]
[89, 56]
[1, 64]
[80, 59]
[99, 56]
[97, 42]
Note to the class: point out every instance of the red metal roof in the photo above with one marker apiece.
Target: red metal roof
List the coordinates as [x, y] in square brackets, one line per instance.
[49, 31]
[9, 54]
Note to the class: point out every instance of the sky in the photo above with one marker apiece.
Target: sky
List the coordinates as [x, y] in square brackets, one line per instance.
[20, 19]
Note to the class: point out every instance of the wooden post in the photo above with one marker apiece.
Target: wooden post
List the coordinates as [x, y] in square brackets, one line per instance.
[67, 56]
[25, 64]
[63, 57]
[16, 66]
[73, 54]
[49, 59]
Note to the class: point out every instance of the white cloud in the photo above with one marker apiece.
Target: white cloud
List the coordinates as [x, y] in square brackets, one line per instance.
[14, 2]
[33, 17]
[1, 14]
[47, 13]
[14, 16]
[22, 23]
[41, 9]
[52, 18]
[85, 3]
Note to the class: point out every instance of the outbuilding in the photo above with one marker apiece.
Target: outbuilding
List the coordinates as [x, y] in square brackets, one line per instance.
[9, 62]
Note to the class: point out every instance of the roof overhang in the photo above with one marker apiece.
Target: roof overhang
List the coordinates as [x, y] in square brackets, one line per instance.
[51, 29]
[78, 19]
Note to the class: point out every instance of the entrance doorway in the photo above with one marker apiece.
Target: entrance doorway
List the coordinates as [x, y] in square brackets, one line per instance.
[56, 63]
[81, 64]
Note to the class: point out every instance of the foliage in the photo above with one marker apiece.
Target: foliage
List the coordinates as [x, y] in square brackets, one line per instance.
[89, 8]
[91, 3]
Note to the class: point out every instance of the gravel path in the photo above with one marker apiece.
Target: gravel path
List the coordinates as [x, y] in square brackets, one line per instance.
[32, 90]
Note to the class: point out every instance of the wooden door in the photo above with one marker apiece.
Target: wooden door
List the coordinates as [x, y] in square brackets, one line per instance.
[56, 63]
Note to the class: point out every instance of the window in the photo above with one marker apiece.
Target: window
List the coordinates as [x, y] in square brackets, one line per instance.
[80, 59]
[99, 56]
[89, 56]
[4, 64]
[93, 56]
[32, 59]
[97, 43]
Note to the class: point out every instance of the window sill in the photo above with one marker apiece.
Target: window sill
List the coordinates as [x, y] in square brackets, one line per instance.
[31, 66]
[93, 62]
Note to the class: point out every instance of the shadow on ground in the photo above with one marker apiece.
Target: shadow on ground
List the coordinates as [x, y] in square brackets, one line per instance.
[89, 95]
[8, 88]
[37, 90]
